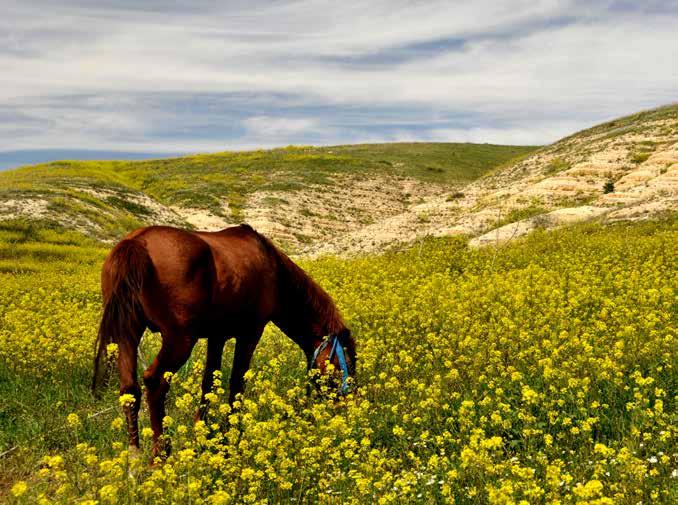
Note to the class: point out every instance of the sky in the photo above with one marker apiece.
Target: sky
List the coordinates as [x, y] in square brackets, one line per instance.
[95, 78]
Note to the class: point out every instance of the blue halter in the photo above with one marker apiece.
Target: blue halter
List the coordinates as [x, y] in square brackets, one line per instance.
[339, 350]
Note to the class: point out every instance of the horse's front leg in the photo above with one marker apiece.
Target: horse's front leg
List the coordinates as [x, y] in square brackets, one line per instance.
[215, 350]
[244, 349]
[174, 352]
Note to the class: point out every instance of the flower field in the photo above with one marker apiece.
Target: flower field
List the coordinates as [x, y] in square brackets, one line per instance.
[539, 372]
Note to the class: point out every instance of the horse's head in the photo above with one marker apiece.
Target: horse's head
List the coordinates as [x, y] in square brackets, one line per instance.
[337, 349]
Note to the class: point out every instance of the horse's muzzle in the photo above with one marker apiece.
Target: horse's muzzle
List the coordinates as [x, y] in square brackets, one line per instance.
[336, 351]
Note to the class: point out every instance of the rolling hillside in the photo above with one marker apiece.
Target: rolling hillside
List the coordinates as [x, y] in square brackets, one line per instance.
[557, 184]
[362, 198]
[299, 195]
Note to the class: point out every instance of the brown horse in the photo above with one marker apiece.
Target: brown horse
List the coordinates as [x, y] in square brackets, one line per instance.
[191, 285]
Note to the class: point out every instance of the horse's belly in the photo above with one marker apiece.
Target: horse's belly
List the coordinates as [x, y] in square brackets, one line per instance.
[244, 308]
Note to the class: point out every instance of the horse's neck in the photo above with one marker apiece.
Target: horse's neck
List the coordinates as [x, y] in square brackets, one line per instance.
[304, 296]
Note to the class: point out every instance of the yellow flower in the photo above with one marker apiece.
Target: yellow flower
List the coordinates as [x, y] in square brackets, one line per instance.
[481, 371]
[398, 431]
[126, 400]
[73, 420]
[108, 493]
[591, 489]
[219, 498]
[112, 350]
[19, 488]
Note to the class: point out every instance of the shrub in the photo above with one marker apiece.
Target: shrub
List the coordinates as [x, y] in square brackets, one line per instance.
[556, 165]
[639, 157]
[455, 196]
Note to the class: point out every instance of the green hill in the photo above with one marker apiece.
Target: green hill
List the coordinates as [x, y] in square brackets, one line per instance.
[108, 198]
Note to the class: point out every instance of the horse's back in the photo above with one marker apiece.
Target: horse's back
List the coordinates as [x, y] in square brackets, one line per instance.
[206, 278]
[176, 254]
[246, 272]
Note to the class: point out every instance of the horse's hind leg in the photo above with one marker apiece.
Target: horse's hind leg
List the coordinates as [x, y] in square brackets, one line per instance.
[215, 350]
[174, 352]
[127, 368]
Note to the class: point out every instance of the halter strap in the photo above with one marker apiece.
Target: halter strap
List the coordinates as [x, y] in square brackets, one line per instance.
[341, 357]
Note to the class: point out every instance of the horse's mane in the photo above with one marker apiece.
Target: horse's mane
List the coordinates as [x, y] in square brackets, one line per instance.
[306, 291]
[323, 315]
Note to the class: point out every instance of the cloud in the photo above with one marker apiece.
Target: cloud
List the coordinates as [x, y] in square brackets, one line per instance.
[278, 127]
[188, 76]
[532, 135]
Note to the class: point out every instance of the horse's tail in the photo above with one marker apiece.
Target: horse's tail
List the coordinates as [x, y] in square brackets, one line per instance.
[123, 317]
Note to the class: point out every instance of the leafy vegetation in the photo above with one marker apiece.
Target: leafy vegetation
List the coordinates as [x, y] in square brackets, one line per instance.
[455, 196]
[543, 371]
[447, 163]
[520, 213]
[639, 157]
[556, 165]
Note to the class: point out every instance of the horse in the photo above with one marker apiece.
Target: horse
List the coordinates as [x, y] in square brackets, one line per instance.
[215, 285]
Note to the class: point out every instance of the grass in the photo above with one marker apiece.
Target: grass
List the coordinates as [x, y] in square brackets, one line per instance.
[455, 196]
[446, 163]
[639, 157]
[518, 214]
[556, 165]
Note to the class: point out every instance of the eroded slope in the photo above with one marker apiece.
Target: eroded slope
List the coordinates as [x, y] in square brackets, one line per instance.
[301, 196]
[636, 157]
